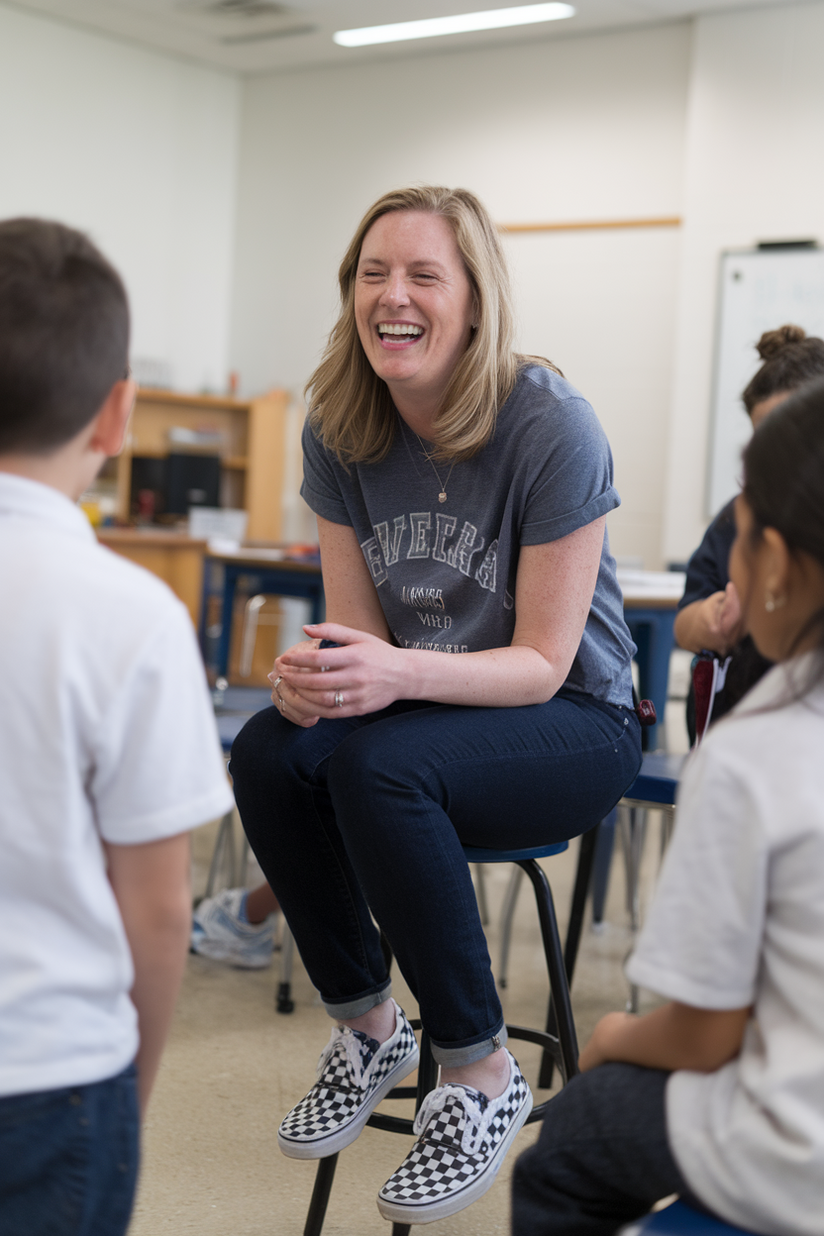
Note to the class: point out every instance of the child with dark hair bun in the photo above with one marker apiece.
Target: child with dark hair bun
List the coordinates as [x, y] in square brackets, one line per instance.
[709, 613]
[718, 1095]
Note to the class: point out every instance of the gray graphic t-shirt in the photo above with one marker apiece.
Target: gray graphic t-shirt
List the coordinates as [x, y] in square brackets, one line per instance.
[445, 572]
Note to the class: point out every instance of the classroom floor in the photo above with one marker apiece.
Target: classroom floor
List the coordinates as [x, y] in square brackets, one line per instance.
[234, 1066]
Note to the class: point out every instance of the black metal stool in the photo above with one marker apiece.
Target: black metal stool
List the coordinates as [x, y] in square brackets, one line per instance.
[559, 1042]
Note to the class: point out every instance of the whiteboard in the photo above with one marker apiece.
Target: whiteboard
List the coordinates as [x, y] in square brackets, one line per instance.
[759, 289]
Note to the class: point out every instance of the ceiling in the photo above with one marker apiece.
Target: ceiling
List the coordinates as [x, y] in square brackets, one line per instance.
[253, 36]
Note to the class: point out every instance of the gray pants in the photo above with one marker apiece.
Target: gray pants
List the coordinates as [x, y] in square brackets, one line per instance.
[602, 1159]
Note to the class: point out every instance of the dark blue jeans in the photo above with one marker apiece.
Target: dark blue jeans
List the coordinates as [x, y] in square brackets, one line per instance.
[603, 1157]
[69, 1159]
[369, 813]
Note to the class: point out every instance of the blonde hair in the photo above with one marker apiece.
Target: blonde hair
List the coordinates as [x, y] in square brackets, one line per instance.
[350, 406]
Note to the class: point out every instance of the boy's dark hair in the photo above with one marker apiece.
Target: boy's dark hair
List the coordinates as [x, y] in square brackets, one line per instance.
[64, 334]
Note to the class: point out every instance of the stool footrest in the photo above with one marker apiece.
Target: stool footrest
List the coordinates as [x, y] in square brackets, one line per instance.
[390, 1124]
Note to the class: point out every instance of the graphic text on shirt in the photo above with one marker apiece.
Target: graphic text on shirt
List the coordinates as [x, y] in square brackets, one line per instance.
[422, 540]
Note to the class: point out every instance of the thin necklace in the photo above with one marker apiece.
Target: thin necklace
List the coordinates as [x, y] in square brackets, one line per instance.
[442, 494]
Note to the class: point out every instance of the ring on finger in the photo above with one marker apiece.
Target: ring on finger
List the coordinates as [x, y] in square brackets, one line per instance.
[339, 699]
[275, 686]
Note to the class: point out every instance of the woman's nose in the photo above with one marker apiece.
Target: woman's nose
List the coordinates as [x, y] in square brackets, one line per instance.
[394, 292]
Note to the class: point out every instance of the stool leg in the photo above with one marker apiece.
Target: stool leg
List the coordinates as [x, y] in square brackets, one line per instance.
[633, 833]
[480, 893]
[224, 842]
[320, 1195]
[427, 1071]
[583, 882]
[602, 864]
[559, 1018]
[388, 956]
[283, 1000]
[507, 915]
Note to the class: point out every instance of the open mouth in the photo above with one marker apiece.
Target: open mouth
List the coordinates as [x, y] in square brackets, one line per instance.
[399, 332]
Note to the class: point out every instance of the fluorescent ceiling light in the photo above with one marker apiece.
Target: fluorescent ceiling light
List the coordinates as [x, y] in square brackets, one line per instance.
[461, 23]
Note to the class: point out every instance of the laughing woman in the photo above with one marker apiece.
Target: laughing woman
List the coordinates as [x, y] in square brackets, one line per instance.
[478, 692]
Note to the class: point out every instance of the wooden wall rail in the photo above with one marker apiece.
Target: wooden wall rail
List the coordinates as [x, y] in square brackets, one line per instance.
[586, 225]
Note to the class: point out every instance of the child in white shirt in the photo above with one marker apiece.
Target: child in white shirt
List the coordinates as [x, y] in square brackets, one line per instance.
[109, 757]
[719, 1094]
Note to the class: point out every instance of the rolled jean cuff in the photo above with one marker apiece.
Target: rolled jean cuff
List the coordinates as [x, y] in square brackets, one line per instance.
[345, 1010]
[455, 1057]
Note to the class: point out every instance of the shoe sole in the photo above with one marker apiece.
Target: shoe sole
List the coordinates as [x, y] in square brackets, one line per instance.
[226, 956]
[339, 1140]
[430, 1212]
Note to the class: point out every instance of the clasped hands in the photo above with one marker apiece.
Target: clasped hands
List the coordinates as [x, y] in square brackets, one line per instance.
[361, 676]
[724, 619]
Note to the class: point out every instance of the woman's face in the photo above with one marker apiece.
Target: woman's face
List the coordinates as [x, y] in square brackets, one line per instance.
[413, 306]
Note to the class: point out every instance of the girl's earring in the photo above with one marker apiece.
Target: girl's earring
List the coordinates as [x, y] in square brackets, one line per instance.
[773, 603]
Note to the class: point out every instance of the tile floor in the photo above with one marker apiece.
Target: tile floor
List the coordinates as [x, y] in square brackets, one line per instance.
[233, 1066]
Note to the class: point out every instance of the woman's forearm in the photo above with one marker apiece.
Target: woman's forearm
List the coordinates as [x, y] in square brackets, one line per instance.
[495, 678]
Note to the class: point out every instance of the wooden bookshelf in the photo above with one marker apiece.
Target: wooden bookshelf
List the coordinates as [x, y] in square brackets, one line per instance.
[252, 449]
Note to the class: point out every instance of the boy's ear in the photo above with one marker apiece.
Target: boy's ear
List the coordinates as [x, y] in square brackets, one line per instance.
[109, 426]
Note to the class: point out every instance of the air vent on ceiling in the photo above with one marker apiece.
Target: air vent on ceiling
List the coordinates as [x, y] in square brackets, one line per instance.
[235, 8]
[260, 36]
[244, 21]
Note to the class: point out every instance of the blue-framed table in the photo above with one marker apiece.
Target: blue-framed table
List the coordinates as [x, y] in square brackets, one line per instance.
[256, 570]
[650, 604]
[650, 601]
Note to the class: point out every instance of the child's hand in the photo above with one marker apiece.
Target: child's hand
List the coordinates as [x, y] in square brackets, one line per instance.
[597, 1050]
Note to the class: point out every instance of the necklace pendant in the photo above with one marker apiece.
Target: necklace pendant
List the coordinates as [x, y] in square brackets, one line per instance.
[442, 496]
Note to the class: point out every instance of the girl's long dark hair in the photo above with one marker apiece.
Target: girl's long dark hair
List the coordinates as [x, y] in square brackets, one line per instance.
[784, 488]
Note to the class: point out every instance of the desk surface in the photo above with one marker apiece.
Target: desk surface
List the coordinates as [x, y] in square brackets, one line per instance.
[274, 559]
[651, 589]
[149, 538]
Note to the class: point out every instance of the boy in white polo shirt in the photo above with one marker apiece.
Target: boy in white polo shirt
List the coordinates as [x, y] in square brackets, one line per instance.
[108, 752]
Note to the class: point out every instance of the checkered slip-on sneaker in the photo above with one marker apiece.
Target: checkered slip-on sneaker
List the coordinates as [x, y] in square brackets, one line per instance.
[464, 1137]
[355, 1073]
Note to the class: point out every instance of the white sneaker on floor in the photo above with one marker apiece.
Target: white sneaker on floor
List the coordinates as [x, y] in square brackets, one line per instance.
[221, 931]
[355, 1073]
[463, 1140]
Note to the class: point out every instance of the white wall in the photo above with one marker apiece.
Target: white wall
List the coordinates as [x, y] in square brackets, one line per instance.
[140, 151]
[754, 171]
[588, 128]
[719, 121]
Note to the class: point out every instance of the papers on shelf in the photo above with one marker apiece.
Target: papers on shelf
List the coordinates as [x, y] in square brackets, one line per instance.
[659, 584]
[218, 523]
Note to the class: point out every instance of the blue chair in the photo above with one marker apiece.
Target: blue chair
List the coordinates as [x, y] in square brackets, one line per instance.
[559, 1041]
[654, 788]
[233, 708]
[682, 1220]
